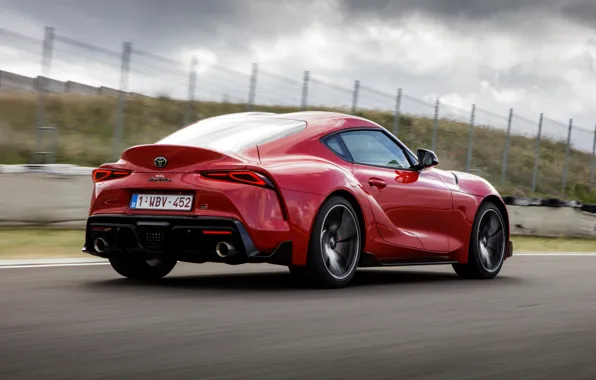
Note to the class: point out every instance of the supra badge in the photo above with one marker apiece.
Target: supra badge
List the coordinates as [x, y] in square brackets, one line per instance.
[159, 178]
[160, 162]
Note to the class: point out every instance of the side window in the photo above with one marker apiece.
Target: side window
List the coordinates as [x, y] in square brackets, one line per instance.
[335, 145]
[375, 148]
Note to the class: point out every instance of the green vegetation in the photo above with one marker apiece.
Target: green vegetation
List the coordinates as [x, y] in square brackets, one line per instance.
[543, 244]
[33, 243]
[86, 126]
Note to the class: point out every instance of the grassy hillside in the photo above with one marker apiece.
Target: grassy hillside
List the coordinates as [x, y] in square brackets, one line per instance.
[86, 125]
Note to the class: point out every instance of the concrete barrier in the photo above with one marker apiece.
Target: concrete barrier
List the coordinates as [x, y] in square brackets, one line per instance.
[106, 91]
[15, 82]
[81, 89]
[48, 195]
[58, 196]
[52, 85]
[552, 222]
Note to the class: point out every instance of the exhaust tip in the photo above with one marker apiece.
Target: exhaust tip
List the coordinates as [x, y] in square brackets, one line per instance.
[100, 245]
[224, 249]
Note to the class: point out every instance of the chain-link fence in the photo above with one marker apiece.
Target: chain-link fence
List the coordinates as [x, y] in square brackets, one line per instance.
[140, 96]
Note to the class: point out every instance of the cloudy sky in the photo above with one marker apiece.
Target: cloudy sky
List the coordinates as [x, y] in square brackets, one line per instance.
[531, 55]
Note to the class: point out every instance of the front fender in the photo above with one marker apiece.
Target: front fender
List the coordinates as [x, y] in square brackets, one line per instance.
[474, 185]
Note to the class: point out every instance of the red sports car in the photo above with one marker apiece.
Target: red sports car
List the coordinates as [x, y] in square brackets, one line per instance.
[319, 192]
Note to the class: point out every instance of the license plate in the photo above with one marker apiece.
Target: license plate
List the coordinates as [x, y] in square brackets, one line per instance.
[161, 202]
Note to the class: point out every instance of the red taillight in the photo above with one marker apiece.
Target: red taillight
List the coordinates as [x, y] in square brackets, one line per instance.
[216, 232]
[100, 175]
[248, 177]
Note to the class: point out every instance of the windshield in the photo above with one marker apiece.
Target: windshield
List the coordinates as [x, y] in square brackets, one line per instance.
[233, 134]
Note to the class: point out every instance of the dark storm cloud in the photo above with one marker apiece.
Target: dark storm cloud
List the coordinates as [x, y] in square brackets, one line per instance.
[443, 8]
[470, 10]
[166, 25]
[583, 10]
[232, 25]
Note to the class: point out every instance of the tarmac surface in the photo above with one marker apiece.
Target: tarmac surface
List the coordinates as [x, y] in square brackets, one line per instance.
[537, 320]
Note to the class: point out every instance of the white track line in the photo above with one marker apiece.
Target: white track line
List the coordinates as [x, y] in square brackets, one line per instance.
[555, 254]
[50, 262]
[49, 265]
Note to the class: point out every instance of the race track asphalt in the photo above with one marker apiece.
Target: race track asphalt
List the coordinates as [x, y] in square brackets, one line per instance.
[536, 321]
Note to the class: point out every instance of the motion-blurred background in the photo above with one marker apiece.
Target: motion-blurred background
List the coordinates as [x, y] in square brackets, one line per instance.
[501, 89]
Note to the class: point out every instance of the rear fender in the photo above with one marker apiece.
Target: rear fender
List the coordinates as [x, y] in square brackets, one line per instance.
[304, 185]
[314, 176]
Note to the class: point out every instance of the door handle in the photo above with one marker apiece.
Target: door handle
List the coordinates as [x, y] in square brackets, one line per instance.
[378, 183]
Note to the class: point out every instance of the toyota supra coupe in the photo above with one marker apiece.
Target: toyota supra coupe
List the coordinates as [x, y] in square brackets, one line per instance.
[319, 192]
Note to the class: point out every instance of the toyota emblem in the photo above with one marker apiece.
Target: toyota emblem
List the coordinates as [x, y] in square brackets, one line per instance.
[160, 162]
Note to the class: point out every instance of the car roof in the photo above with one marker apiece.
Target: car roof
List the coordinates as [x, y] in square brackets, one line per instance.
[306, 116]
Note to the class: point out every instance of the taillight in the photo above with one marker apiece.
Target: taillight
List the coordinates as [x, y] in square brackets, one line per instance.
[249, 178]
[243, 176]
[100, 175]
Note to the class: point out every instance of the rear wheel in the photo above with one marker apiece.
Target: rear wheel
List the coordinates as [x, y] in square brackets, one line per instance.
[488, 245]
[140, 269]
[335, 245]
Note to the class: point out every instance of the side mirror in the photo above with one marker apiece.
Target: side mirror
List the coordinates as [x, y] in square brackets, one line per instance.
[426, 158]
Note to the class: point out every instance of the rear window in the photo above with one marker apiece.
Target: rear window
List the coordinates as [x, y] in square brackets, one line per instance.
[233, 134]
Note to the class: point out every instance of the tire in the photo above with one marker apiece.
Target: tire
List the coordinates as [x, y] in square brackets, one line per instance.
[297, 271]
[483, 246]
[299, 275]
[335, 246]
[137, 268]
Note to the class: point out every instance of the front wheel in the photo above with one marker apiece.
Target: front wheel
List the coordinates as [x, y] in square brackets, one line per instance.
[140, 269]
[488, 245]
[335, 245]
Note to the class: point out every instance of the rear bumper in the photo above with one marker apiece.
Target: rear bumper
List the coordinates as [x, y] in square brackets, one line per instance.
[191, 239]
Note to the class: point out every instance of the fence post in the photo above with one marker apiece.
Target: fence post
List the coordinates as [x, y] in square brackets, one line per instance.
[192, 83]
[124, 70]
[397, 111]
[591, 184]
[507, 143]
[355, 96]
[436, 125]
[567, 151]
[252, 91]
[537, 154]
[470, 138]
[42, 84]
[305, 81]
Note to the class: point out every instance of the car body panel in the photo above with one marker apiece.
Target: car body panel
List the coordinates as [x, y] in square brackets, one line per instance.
[414, 207]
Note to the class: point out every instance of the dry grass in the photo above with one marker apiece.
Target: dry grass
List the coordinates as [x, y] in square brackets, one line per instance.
[538, 244]
[34, 243]
[86, 125]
